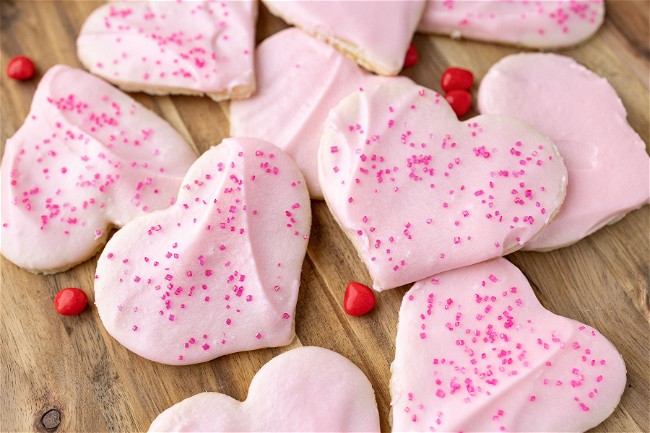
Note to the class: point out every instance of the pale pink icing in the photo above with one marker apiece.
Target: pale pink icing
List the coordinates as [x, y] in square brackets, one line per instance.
[477, 352]
[537, 24]
[173, 46]
[375, 34]
[308, 389]
[88, 156]
[419, 192]
[609, 169]
[300, 79]
[219, 271]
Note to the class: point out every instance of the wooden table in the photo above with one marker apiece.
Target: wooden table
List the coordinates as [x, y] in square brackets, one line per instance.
[68, 374]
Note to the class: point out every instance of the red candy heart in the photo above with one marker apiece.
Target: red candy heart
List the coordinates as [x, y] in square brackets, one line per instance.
[456, 78]
[70, 301]
[20, 68]
[359, 299]
[460, 101]
[411, 57]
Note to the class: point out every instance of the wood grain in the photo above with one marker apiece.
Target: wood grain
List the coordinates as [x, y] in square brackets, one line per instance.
[67, 374]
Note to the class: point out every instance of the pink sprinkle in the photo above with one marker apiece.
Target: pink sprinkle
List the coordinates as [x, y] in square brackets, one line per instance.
[576, 345]
[258, 336]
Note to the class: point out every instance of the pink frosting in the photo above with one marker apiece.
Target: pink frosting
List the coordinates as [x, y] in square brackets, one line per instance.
[609, 169]
[300, 79]
[219, 271]
[419, 192]
[188, 47]
[536, 24]
[477, 352]
[88, 156]
[308, 389]
[375, 34]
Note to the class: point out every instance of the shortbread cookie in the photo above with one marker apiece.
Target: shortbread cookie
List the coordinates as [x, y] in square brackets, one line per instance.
[419, 192]
[477, 352]
[609, 169]
[87, 157]
[308, 389]
[375, 34]
[534, 24]
[300, 79]
[178, 47]
[219, 271]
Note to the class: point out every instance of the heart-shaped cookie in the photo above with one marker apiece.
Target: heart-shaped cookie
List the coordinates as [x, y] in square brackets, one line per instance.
[608, 166]
[419, 192]
[476, 351]
[219, 271]
[535, 24]
[375, 34]
[308, 389]
[88, 156]
[300, 79]
[180, 47]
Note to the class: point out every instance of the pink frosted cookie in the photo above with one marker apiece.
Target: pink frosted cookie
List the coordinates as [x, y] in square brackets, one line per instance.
[300, 79]
[308, 389]
[86, 158]
[609, 169]
[375, 34]
[535, 24]
[219, 271]
[477, 352]
[419, 192]
[178, 47]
